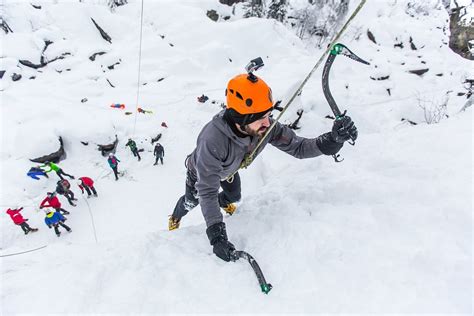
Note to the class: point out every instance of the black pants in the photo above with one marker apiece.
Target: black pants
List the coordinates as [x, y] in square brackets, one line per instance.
[231, 192]
[61, 210]
[60, 174]
[88, 190]
[56, 228]
[159, 158]
[70, 197]
[25, 227]
[136, 154]
[115, 172]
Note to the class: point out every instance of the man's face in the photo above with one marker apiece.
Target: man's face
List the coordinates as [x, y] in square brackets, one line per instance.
[259, 127]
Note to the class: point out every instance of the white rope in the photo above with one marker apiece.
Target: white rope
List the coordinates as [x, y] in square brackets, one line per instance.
[92, 219]
[19, 253]
[139, 69]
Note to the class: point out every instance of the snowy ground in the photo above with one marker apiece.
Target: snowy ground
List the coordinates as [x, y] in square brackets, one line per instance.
[389, 230]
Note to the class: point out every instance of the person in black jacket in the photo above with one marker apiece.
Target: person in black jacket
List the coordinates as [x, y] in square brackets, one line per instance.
[133, 147]
[64, 188]
[159, 153]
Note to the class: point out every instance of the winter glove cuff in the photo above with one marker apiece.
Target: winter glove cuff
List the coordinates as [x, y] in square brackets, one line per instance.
[327, 145]
[216, 233]
[221, 246]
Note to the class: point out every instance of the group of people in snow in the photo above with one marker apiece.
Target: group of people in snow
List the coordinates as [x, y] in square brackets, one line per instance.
[54, 213]
[51, 204]
[158, 151]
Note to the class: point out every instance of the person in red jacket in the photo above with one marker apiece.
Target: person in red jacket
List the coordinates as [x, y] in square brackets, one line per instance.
[18, 219]
[52, 200]
[86, 183]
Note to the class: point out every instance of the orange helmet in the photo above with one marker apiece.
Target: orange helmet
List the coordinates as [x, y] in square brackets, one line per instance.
[248, 95]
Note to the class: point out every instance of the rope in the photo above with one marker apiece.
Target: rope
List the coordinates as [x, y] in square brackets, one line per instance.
[19, 253]
[92, 219]
[249, 158]
[139, 68]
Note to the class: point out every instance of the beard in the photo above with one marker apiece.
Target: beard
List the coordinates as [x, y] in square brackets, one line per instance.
[255, 132]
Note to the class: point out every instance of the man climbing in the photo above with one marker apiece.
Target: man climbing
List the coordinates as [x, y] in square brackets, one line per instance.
[56, 219]
[159, 153]
[52, 200]
[59, 171]
[63, 187]
[113, 163]
[229, 137]
[18, 219]
[36, 172]
[86, 183]
[133, 147]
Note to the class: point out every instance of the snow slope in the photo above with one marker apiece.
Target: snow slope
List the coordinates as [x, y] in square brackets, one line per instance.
[389, 230]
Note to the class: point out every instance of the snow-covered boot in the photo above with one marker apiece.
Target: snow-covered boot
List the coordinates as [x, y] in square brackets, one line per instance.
[173, 223]
[230, 208]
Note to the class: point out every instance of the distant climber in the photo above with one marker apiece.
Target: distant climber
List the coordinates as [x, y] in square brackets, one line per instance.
[140, 110]
[59, 171]
[56, 219]
[63, 187]
[203, 98]
[52, 200]
[18, 219]
[133, 147]
[159, 153]
[117, 106]
[86, 183]
[113, 163]
[36, 172]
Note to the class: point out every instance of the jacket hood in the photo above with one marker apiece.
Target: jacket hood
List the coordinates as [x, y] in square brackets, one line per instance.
[220, 123]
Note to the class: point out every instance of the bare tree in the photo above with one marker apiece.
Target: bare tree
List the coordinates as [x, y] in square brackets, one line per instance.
[434, 111]
[277, 10]
[254, 8]
[320, 19]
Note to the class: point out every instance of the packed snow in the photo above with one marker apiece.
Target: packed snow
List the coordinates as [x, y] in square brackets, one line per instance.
[388, 230]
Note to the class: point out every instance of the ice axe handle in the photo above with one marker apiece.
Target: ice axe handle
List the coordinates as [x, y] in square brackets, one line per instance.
[264, 286]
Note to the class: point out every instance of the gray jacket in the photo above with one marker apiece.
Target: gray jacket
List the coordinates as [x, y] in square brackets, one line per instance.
[219, 153]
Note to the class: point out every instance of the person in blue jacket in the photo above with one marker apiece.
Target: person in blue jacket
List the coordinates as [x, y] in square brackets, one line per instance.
[36, 172]
[56, 219]
[113, 163]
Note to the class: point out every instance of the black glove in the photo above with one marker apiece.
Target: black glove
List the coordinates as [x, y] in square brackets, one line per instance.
[343, 130]
[327, 145]
[218, 237]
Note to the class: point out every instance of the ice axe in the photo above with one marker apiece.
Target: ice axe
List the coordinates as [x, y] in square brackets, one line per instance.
[337, 49]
